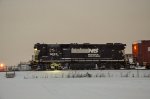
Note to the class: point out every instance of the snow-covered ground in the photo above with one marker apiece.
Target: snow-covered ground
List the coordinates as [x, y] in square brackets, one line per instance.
[94, 84]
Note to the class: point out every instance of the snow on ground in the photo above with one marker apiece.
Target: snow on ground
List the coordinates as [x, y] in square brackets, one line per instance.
[101, 84]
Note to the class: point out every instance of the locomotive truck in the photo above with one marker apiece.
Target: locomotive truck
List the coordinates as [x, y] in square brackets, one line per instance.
[79, 56]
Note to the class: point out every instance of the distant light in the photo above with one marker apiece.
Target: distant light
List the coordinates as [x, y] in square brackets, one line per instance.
[1, 65]
[135, 47]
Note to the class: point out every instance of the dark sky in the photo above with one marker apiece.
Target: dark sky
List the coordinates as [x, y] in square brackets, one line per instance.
[26, 22]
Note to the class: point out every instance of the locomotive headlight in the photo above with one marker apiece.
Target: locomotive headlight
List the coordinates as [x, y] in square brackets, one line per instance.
[35, 49]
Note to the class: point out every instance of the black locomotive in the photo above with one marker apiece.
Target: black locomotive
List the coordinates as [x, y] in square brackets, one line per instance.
[79, 56]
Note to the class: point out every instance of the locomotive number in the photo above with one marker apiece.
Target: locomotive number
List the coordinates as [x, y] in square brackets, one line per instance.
[54, 54]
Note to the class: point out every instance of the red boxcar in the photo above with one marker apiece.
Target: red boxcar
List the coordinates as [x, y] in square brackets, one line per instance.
[141, 52]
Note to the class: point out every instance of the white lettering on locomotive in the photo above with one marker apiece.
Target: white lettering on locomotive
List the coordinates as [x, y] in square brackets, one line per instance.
[93, 55]
[93, 50]
[54, 54]
[79, 50]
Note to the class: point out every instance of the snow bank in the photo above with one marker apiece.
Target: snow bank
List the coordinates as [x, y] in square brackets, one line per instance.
[52, 85]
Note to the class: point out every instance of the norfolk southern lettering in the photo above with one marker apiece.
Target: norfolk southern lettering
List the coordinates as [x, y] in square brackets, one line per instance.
[83, 50]
[93, 52]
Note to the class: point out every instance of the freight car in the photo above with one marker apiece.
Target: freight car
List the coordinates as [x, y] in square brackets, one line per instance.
[141, 53]
[79, 56]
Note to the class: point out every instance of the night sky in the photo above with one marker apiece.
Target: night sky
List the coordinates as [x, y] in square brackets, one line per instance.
[26, 22]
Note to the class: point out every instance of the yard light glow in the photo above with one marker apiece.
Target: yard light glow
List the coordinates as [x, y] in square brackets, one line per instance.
[56, 71]
[1, 65]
